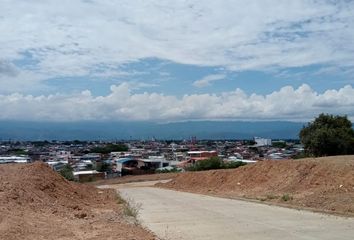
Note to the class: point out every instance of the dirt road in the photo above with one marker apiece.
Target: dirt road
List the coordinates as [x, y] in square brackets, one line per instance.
[179, 215]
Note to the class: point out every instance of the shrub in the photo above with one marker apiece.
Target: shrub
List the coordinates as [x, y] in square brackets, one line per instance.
[214, 163]
[211, 163]
[168, 170]
[67, 172]
[286, 197]
[233, 164]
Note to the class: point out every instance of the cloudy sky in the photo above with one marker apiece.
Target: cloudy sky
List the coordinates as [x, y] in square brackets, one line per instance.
[72, 60]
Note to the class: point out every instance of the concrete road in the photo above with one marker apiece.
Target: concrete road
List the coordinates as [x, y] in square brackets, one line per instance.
[178, 215]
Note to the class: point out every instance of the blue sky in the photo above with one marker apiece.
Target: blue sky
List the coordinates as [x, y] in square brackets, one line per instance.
[176, 60]
[178, 79]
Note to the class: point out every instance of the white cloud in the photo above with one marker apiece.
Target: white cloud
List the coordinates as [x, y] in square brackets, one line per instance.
[207, 80]
[122, 103]
[43, 40]
[73, 37]
[13, 78]
[7, 69]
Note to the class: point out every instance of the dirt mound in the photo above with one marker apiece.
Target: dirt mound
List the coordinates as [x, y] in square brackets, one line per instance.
[37, 203]
[323, 183]
[37, 187]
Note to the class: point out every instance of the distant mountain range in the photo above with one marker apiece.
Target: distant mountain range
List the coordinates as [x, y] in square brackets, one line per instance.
[20, 130]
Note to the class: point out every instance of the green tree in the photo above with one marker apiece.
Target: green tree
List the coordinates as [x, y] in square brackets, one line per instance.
[103, 167]
[214, 163]
[110, 148]
[279, 144]
[328, 135]
[67, 172]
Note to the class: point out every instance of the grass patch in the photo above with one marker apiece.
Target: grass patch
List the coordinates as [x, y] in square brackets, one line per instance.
[268, 197]
[286, 197]
[271, 196]
[130, 208]
[120, 200]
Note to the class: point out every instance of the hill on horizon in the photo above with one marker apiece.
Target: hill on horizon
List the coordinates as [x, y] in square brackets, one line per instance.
[21, 130]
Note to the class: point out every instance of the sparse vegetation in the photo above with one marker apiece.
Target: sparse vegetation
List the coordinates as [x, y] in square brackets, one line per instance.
[271, 196]
[120, 200]
[286, 197]
[130, 208]
[268, 197]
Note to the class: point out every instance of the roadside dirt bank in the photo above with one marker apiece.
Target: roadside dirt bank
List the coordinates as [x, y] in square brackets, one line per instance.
[321, 184]
[37, 203]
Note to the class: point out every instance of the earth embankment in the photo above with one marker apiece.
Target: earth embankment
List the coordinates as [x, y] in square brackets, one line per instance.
[323, 184]
[37, 203]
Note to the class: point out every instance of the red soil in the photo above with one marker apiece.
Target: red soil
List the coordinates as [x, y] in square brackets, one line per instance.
[37, 203]
[325, 184]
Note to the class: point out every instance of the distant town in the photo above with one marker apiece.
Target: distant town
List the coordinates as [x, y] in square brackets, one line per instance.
[92, 160]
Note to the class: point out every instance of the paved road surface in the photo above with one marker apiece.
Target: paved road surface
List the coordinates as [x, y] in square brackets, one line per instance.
[178, 215]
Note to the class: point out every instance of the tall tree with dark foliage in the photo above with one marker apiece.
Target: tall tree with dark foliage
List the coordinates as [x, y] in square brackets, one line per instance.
[328, 135]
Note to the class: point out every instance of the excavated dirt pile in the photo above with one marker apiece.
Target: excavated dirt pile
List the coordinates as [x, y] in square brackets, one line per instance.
[37, 203]
[325, 184]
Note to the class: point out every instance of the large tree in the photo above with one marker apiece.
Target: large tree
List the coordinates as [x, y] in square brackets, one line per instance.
[328, 135]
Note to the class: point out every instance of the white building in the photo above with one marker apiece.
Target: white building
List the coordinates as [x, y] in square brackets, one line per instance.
[263, 141]
[14, 159]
